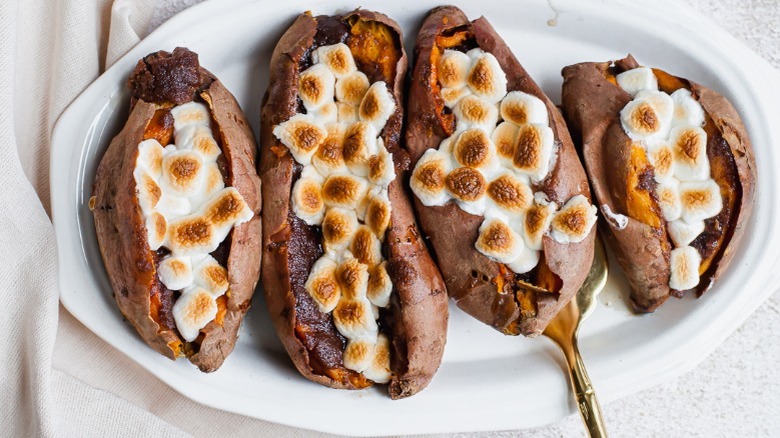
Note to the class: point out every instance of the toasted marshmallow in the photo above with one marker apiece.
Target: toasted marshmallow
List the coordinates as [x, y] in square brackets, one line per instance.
[521, 108]
[192, 311]
[485, 77]
[175, 272]
[498, 241]
[191, 235]
[510, 194]
[354, 319]
[366, 247]
[687, 110]
[156, 230]
[183, 173]
[352, 276]
[360, 143]
[473, 149]
[337, 57]
[428, 180]
[466, 184]
[316, 86]
[322, 284]
[307, 200]
[378, 214]
[504, 138]
[210, 275]
[377, 105]
[661, 156]
[191, 113]
[302, 135]
[148, 191]
[200, 139]
[379, 370]
[683, 233]
[174, 207]
[451, 96]
[381, 169]
[648, 116]
[668, 193]
[213, 184]
[347, 113]
[528, 260]
[473, 112]
[351, 89]
[533, 151]
[327, 113]
[638, 79]
[358, 354]
[329, 157]
[338, 227]
[344, 190]
[537, 220]
[227, 208]
[380, 286]
[684, 263]
[573, 222]
[453, 68]
[150, 155]
[700, 200]
[689, 145]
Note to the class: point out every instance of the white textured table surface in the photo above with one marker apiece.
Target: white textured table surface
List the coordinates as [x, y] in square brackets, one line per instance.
[734, 392]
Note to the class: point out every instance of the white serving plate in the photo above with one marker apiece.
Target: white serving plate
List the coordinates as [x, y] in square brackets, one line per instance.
[487, 381]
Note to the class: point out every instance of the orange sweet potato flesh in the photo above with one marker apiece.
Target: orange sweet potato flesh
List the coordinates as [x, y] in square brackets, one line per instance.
[592, 101]
[485, 289]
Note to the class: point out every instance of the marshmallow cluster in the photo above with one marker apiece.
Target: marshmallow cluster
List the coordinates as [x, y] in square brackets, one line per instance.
[502, 145]
[189, 211]
[343, 188]
[669, 128]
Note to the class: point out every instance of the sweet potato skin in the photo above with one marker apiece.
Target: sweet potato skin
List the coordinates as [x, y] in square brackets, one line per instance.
[122, 237]
[468, 274]
[592, 106]
[418, 312]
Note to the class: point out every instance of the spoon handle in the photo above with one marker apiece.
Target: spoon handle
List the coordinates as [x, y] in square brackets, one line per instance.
[590, 411]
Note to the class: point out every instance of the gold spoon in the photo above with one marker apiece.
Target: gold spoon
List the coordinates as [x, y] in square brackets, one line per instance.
[563, 330]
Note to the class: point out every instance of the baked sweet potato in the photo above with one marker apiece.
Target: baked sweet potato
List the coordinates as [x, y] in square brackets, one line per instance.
[487, 223]
[330, 133]
[177, 198]
[672, 169]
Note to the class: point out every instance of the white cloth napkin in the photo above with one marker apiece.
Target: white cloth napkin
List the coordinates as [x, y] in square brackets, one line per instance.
[50, 50]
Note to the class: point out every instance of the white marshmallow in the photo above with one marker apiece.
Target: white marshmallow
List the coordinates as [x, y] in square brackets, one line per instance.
[528, 260]
[521, 108]
[175, 272]
[210, 275]
[347, 113]
[661, 156]
[366, 247]
[338, 227]
[225, 210]
[192, 235]
[150, 154]
[504, 139]
[453, 68]
[534, 151]
[307, 199]
[147, 190]
[327, 113]
[473, 148]
[573, 222]
[192, 311]
[638, 79]
[213, 183]
[377, 105]
[684, 263]
[200, 139]
[329, 157]
[689, 145]
[351, 89]
[700, 200]
[648, 116]
[379, 370]
[360, 143]
[668, 193]
[473, 112]
[468, 187]
[485, 77]
[687, 110]
[174, 207]
[428, 181]
[378, 213]
[302, 135]
[358, 354]
[354, 319]
[316, 86]
[323, 285]
[183, 173]
[380, 286]
[508, 194]
[683, 233]
[337, 57]
[537, 220]
[191, 113]
[451, 96]
[381, 169]
[156, 230]
[344, 190]
[499, 242]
